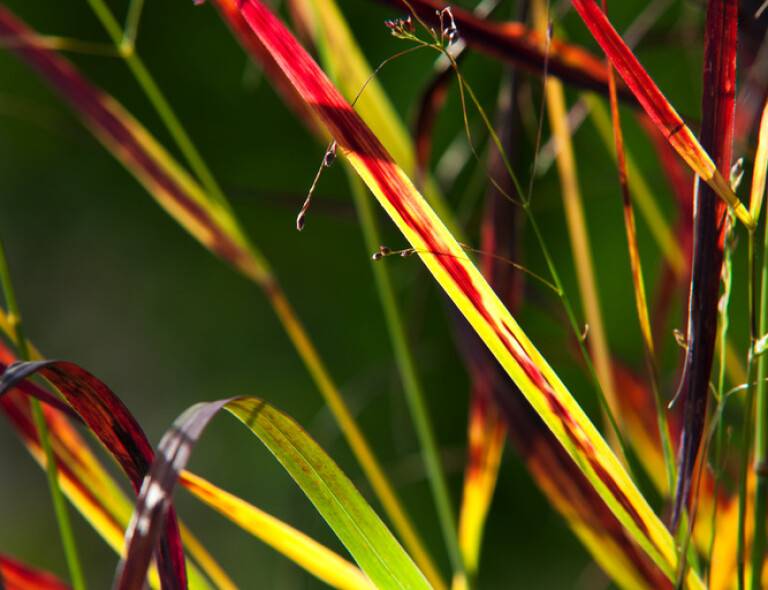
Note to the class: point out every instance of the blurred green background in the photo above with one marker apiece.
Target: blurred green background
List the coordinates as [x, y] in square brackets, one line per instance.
[105, 278]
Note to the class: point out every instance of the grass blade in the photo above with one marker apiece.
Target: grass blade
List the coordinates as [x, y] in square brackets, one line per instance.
[463, 283]
[347, 65]
[343, 508]
[113, 424]
[658, 108]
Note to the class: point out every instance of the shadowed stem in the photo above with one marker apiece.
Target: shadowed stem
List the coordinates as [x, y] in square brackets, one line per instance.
[59, 506]
[414, 392]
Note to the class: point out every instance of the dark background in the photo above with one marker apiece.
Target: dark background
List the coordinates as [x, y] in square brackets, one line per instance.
[105, 278]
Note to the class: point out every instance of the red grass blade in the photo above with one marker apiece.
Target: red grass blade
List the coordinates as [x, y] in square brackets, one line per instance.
[658, 108]
[354, 522]
[709, 235]
[15, 575]
[117, 429]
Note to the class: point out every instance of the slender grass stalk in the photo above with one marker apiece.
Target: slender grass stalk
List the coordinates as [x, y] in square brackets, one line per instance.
[124, 41]
[748, 427]
[761, 422]
[641, 302]
[277, 298]
[414, 393]
[642, 193]
[761, 436]
[131, 28]
[577, 227]
[59, 506]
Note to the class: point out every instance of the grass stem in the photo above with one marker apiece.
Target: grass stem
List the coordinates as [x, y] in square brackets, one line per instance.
[59, 506]
[412, 387]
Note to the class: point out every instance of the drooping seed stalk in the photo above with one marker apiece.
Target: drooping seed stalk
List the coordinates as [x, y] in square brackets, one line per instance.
[59, 506]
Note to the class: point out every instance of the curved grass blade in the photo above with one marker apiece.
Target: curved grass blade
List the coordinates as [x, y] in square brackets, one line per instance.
[343, 508]
[658, 108]
[83, 480]
[105, 506]
[463, 283]
[520, 46]
[709, 235]
[15, 575]
[113, 424]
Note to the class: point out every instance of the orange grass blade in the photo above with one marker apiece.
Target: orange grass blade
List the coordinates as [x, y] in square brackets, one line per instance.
[470, 292]
[15, 575]
[658, 108]
[638, 281]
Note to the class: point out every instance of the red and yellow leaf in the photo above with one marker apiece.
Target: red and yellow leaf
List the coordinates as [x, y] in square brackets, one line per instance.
[658, 107]
[446, 260]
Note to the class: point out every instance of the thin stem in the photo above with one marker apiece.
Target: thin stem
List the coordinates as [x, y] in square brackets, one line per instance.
[59, 506]
[131, 28]
[412, 388]
[761, 435]
[747, 429]
[159, 102]
[354, 436]
[577, 228]
[641, 302]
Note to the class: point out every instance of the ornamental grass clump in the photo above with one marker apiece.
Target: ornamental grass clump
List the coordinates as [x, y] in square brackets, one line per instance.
[659, 471]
